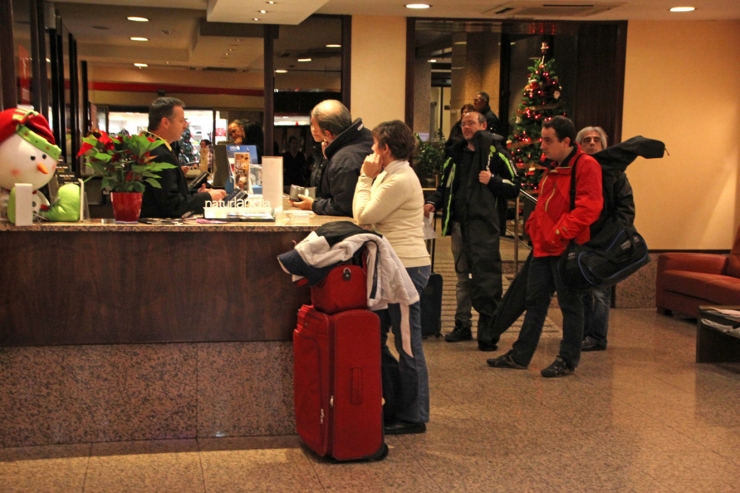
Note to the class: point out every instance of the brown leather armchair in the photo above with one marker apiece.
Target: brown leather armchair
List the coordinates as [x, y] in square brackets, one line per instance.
[687, 280]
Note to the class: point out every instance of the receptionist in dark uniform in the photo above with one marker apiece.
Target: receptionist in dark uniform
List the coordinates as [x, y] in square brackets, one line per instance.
[166, 122]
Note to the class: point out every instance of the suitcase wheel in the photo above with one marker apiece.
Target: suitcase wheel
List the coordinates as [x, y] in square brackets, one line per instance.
[380, 454]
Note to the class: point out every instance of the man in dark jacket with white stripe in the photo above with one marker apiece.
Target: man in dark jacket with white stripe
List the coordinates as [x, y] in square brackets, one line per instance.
[345, 144]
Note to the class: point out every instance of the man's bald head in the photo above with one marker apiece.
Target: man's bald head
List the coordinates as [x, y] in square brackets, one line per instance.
[331, 116]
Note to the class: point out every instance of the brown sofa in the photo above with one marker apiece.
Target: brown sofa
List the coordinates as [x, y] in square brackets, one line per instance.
[687, 280]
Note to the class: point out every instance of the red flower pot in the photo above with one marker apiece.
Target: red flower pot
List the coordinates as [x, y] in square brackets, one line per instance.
[126, 206]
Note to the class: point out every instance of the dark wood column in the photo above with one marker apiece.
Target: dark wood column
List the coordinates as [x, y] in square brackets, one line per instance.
[269, 93]
[347, 61]
[7, 56]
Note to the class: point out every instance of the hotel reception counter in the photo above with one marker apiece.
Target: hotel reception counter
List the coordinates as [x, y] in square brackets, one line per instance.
[114, 332]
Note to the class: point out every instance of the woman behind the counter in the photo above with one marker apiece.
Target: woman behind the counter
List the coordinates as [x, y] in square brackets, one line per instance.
[389, 197]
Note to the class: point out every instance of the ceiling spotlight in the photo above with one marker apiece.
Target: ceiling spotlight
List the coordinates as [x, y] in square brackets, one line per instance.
[255, 18]
[137, 38]
[304, 59]
[682, 9]
[333, 46]
[133, 18]
[263, 11]
[48, 60]
[270, 3]
[418, 6]
[433, 60]
[140, 65]
[281, 71]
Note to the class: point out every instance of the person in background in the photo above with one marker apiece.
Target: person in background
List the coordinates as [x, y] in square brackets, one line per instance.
[167, 122]
[619, 204]
[206, 156]
[294, 164]
[253, 135]
[236, 132]
[186, 153]
[345, 144]
[481, 106]
[388, 196]
[476, 176]
[551, 227]
[456, 133]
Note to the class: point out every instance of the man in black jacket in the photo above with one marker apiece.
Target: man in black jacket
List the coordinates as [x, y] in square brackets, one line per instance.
[477, 174]
[166, 122]
[619, 205]
[482, 106]
[345, 144]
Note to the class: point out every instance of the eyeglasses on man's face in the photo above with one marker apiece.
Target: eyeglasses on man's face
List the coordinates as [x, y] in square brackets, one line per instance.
[588, 140]
[471, 123]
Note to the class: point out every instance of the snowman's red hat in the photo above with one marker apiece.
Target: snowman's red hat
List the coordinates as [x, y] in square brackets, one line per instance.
[31, 126]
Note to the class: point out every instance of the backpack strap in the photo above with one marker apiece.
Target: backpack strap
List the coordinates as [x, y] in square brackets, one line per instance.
[573, 184]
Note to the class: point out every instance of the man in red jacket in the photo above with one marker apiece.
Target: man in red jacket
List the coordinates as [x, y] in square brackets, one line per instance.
[552, 226]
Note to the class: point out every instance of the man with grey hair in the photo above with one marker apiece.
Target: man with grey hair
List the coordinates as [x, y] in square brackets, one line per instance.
[345, 144]
[619, 204]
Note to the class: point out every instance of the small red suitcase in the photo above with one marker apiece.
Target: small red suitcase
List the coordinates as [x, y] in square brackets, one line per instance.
[343, 288]
[337, 384]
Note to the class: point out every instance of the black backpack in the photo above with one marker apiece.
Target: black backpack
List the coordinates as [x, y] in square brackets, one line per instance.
[613, 253]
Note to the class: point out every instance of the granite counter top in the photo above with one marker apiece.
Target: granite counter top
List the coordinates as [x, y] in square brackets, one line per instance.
[284, 222]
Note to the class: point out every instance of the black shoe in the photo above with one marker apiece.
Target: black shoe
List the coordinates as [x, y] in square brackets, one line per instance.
[558, 368]
[459, 333]
[591, 345]
[486, 346]
[405, 428]
[505, 361]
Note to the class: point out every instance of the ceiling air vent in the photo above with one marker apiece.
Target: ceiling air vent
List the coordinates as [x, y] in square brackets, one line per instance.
[550, 9]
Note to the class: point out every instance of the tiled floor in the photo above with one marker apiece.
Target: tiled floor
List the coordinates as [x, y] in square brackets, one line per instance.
[641, 416]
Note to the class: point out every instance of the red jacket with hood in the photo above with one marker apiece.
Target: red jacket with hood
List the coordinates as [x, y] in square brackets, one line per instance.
[553, 225]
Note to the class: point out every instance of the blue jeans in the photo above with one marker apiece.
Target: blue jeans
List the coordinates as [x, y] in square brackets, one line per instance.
[406, 380]
[543, 279]
[596, 314]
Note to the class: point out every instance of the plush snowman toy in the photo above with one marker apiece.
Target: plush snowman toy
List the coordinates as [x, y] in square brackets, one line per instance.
[28, 154]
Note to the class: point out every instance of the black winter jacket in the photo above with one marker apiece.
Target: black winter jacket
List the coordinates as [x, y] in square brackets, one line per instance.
[336, 185]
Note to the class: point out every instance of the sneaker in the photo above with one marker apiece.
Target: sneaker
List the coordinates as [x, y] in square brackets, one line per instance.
[459, 333]
[505, 361]
[591, 345]
[558, 368]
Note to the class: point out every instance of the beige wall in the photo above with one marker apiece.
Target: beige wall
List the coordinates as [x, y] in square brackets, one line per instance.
[681, 86]
[378, 68]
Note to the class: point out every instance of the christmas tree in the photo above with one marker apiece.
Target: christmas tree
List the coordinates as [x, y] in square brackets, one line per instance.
[540, 101]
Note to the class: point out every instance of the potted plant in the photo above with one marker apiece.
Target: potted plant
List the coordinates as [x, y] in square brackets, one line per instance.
[429, 162]
[125, 163]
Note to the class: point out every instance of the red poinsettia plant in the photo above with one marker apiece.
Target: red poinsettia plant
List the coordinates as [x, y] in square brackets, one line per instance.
[124, 161]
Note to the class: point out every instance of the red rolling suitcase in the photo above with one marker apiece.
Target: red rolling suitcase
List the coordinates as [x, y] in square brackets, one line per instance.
[337, 386]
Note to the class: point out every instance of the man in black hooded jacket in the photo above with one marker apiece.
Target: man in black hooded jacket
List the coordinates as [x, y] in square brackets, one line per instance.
[477, 174]
[345, 144]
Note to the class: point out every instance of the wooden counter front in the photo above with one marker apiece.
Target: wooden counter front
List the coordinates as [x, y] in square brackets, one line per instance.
[100, 283]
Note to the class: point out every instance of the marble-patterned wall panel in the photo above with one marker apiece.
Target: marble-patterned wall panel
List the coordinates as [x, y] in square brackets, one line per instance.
[245, 389]
[72, 394]
[638, 290]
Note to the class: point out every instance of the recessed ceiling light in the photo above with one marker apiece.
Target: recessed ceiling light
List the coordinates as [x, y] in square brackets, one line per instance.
[140, 65]
[333, 46]
[304, 59]
[270, 3]
[281, 71]
[137, 38]
[255, 18]
[133, 18]
[432, 60]
[263, 11]
[48, 60]
[418, 6]
[682, 9]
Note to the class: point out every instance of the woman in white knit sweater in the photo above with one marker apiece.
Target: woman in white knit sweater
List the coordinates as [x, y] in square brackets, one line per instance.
[389, 197]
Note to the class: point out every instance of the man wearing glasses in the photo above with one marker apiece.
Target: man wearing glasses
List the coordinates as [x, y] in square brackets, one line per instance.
[596, 302]
[476, 176]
